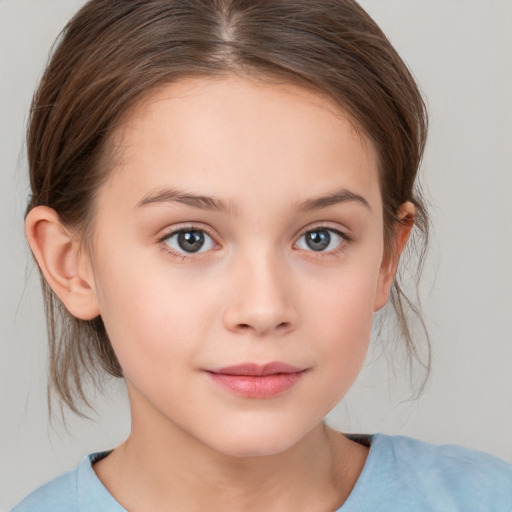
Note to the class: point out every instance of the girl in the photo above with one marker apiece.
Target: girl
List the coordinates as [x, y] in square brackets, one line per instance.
[221, 192]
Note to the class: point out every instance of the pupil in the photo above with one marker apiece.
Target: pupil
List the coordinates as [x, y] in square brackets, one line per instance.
[191, 241]
[318, 240]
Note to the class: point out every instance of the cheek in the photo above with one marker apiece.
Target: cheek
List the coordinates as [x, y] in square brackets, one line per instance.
[341, 316]
[343, 301]
[346, 331]
[148, 314]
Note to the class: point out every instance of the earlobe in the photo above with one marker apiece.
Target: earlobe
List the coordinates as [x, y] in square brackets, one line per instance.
[389, 264]
[61, 262]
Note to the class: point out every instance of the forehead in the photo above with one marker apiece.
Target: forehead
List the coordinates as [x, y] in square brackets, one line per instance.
[213, 135]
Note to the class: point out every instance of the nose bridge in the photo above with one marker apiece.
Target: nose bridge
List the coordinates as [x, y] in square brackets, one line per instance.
[262, 301]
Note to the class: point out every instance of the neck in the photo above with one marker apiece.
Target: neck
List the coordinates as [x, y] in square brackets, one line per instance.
[161, 464]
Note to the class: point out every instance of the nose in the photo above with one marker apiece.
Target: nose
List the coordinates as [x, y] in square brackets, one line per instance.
[262, 299]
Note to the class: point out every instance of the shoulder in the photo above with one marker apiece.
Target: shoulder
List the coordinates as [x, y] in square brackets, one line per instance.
[77, 490]
[451, 462]
[58, 494]
[443, 477]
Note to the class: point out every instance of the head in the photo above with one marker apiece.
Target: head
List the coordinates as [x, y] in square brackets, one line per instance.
[129, 76]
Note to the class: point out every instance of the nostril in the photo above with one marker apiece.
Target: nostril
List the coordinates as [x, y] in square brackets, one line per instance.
[283, 326]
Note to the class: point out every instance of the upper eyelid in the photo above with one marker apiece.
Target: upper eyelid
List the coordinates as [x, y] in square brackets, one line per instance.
[170, 231]
[325, 226]
[338, 232]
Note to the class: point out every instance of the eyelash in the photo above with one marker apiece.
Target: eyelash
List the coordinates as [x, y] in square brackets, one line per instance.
[333, 252]
[182, 256]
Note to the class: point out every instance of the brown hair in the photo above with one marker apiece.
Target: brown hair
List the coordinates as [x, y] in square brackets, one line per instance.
[114, 51]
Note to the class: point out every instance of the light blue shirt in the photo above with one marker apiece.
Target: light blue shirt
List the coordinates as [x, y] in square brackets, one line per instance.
[400, 474]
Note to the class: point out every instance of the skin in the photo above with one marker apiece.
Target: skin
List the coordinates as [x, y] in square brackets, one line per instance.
[256, 292]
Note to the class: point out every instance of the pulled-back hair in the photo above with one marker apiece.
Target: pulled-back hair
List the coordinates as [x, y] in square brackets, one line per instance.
[113, 52]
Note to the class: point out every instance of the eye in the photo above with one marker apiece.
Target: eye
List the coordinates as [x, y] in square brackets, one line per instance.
[320, 240]
[189, 241]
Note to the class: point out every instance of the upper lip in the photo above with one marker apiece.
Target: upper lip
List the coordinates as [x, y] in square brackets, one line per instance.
[254, 369]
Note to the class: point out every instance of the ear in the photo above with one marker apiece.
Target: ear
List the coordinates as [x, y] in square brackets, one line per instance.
[65, 268]
[389, 265]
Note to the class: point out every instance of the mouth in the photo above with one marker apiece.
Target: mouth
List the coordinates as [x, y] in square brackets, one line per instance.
[252, 380]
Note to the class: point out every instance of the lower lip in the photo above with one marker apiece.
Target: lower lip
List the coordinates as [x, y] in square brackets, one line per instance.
[261, 386]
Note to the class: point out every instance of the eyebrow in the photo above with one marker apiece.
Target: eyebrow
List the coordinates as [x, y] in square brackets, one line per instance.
[170, 195]
[340, 196]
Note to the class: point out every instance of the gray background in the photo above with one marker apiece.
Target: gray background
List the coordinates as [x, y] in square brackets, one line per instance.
[461, 53]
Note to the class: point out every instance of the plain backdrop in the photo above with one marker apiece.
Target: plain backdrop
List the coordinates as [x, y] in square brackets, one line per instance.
[461, 54]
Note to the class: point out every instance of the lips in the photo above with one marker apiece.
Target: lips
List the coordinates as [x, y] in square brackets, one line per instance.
[252, 380]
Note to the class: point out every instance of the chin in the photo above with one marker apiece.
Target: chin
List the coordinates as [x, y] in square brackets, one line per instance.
[269, 440]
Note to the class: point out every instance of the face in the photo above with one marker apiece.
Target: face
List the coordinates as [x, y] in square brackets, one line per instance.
[237, 260]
